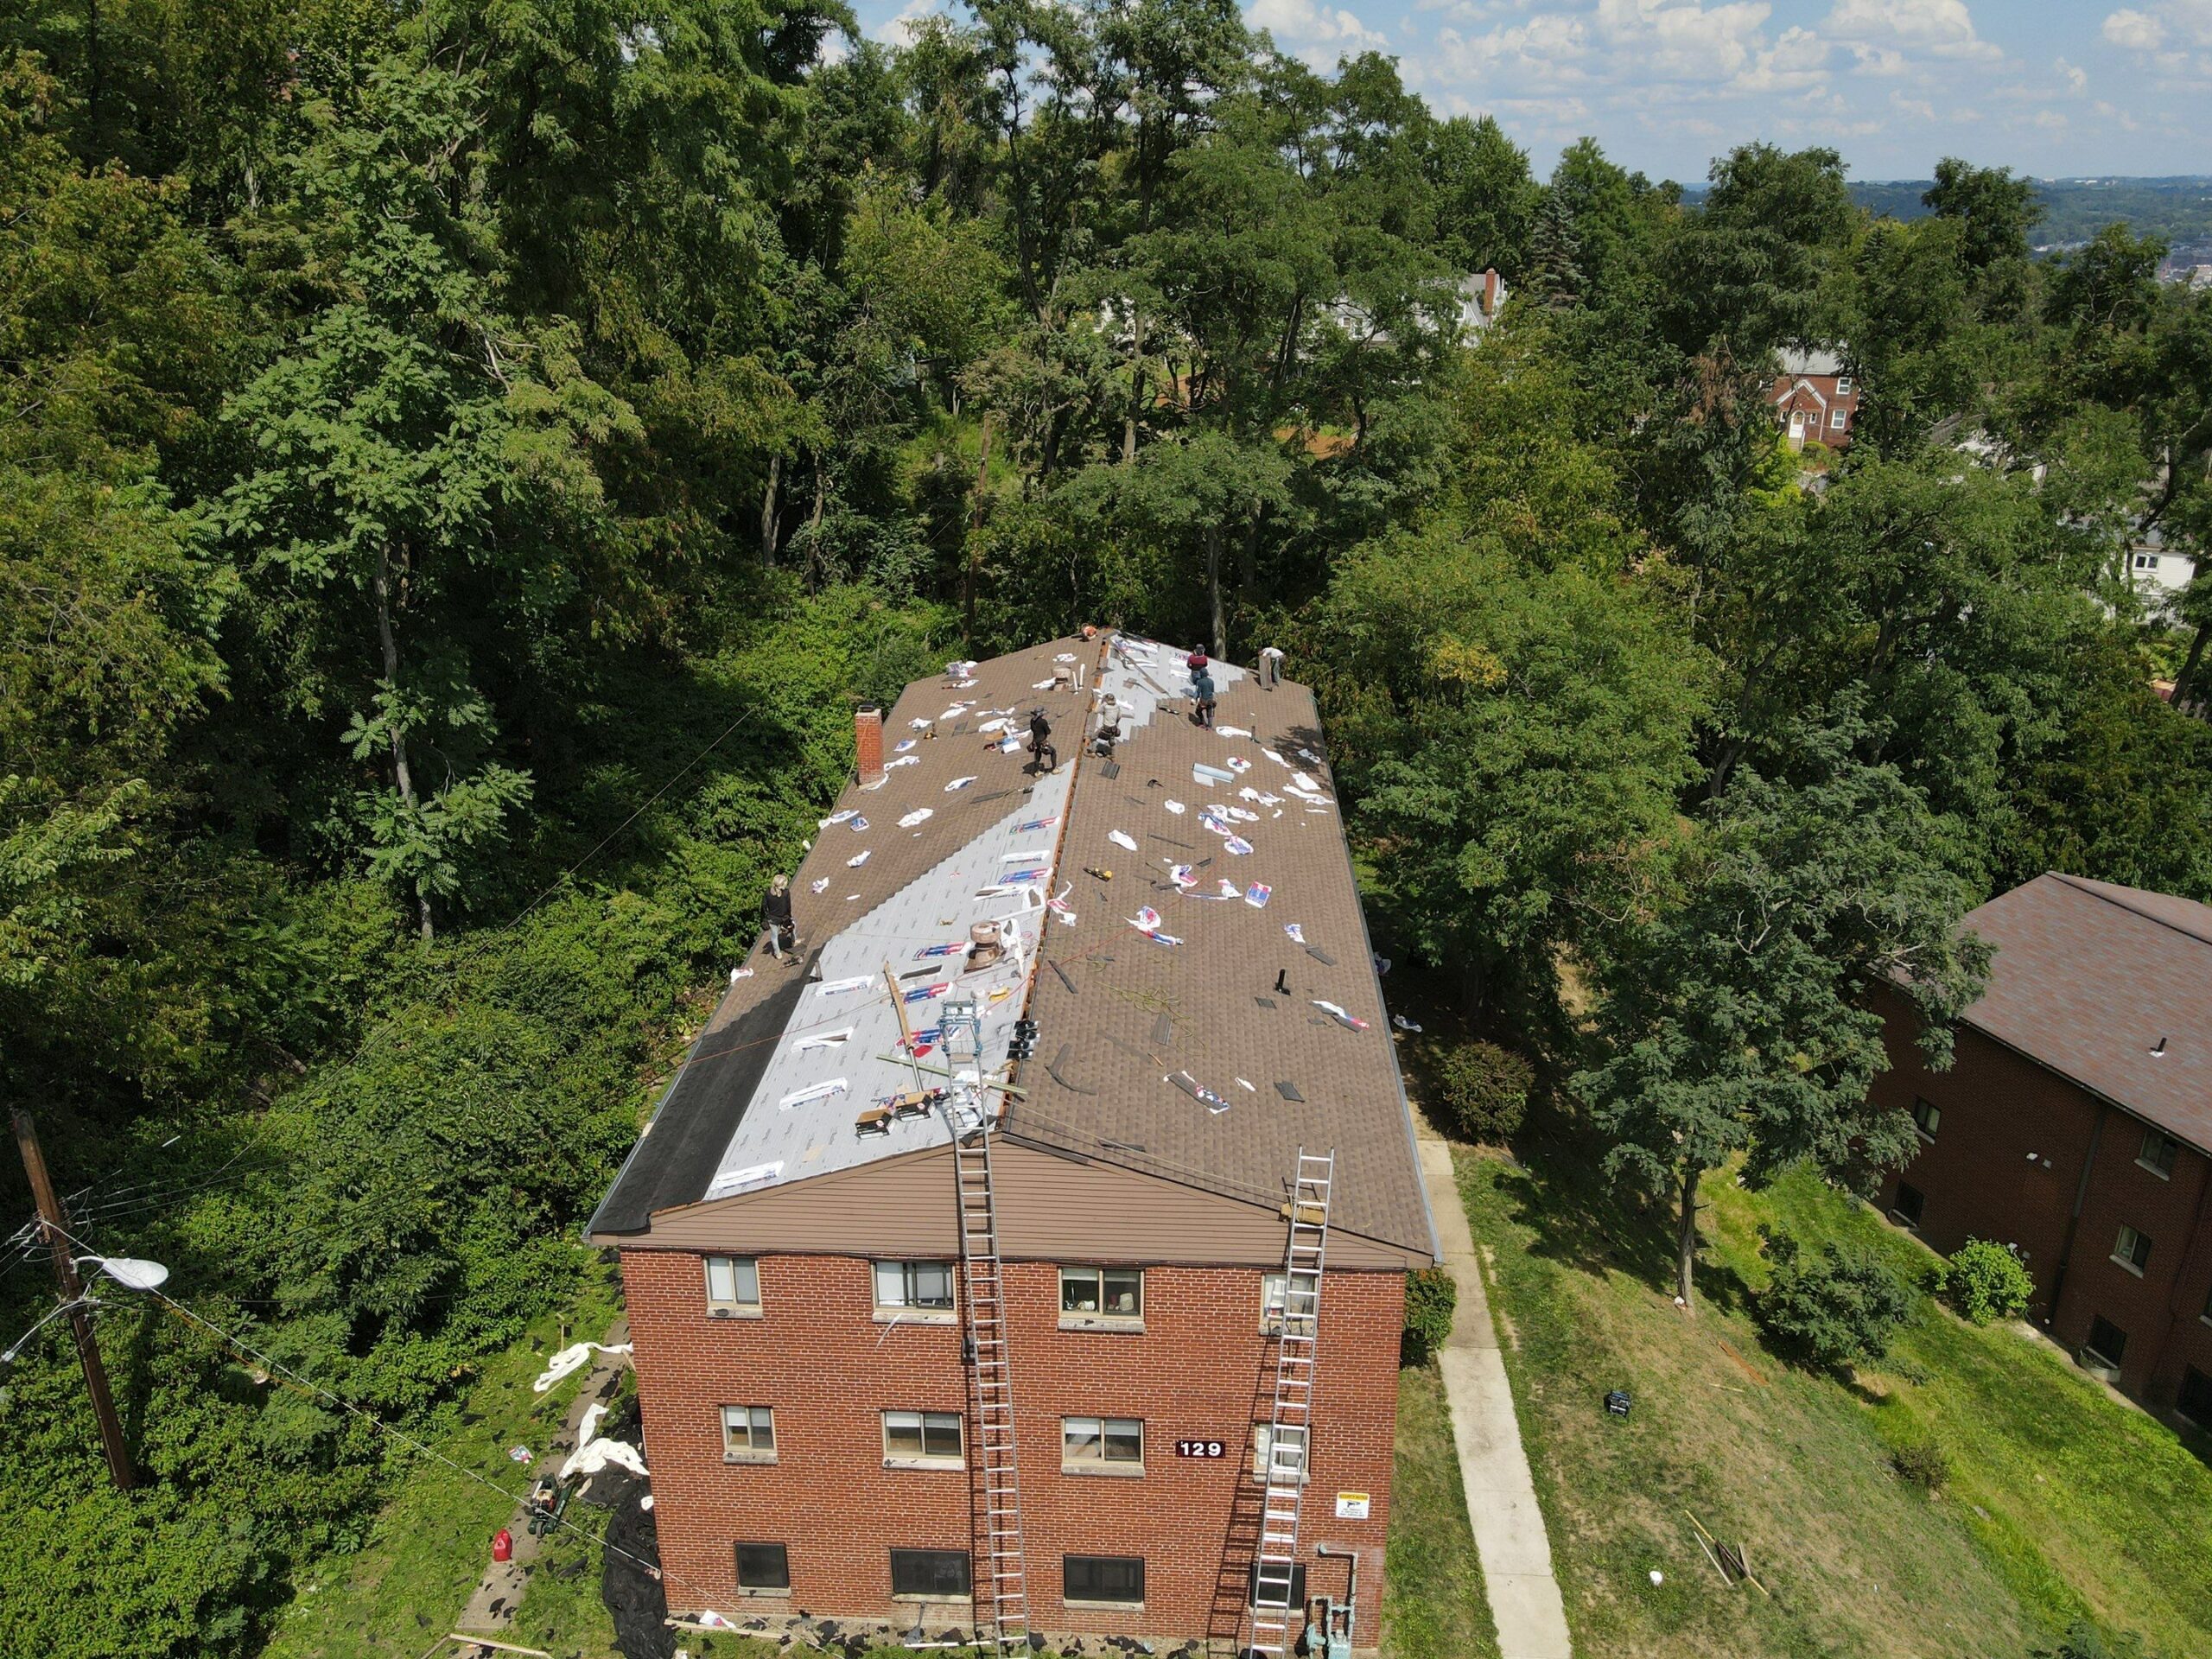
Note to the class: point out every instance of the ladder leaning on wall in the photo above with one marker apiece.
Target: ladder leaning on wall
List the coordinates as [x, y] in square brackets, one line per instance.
[1000, 1592]
[1275, 1571]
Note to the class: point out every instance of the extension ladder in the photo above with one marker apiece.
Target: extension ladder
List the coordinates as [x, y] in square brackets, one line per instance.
[1290, 1429]
[1002, 1603]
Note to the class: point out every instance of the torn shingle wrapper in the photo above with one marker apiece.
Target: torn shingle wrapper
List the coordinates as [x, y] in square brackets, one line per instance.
[1127, 843]
[1349, 1020]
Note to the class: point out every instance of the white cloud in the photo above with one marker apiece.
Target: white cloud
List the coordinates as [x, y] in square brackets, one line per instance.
[899, 30]
[2077, 76]
[1324, 32]
[1685, 41]
[1941, 28]
[1919, 108]
[1547, 51]
[2137, 30]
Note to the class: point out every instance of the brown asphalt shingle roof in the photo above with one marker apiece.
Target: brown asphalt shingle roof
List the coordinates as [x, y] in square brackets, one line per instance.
[1118, 1014]
[2089, 977]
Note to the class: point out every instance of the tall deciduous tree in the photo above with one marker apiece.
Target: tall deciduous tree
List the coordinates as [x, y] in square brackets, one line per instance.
[1737, 1020]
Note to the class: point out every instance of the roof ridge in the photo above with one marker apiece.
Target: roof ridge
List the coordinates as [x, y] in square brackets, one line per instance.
[2105, 893]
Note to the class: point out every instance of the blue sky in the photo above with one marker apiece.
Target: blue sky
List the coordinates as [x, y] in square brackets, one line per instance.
[2056, 87]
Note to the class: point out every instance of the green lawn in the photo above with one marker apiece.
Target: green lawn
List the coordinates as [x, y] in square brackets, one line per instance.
[393, 1597]
[2062, 1501]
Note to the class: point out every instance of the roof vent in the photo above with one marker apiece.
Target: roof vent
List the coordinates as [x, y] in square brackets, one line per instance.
[2158, 1049]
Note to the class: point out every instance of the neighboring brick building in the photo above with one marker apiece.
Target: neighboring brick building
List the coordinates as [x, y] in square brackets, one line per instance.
[792, 1232]
[1817, 401]
[2076, 1125]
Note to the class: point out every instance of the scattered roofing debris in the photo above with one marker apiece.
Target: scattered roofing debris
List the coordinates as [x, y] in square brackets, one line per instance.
[963, 901]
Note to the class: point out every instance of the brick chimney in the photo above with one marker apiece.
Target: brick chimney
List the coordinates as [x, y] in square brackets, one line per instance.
[1492, 296]
[868, 744]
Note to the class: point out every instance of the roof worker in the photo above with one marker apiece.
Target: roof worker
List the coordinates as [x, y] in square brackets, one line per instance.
[1041, 744]
[1196, 661]
[1109, 726]
[1270, 669]
[776, 918]
[1202, 698]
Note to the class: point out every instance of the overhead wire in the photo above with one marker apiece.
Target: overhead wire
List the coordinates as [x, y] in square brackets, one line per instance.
[299, 1380]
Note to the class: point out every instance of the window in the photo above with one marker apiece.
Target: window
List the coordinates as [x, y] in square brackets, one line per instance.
[1291, 1464]
[938, 1573]
[1275, 1586]
[2131, 1250]
[2157, 1154]
[1927, 1118]
[732, 1286]
[921, 1437]
[748, 1434]
[2107, 1344]
[1835, 420]
[909, 1285]
[1114, 1580]
[763, 1570]
[1274, 1292]
[1843, 386]
[1102, 1443]
[1911, 1202]
[1102, 1293]
[2195, 1400]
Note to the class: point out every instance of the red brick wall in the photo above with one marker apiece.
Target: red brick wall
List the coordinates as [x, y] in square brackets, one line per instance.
[1979, 1181]
[818, 1357]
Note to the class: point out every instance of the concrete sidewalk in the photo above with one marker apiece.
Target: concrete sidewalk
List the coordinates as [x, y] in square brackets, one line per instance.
[1510, 1537]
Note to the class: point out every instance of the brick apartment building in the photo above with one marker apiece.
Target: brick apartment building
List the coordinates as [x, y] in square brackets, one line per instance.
[817, 1294]
[1816, 400]
[2076, 1125]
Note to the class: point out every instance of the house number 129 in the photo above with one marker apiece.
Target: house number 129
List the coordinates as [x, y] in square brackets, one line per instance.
[1201, 1448]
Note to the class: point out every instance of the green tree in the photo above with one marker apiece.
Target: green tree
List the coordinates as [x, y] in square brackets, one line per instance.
[417, 448]
[1994, 211]
[1736, 1018]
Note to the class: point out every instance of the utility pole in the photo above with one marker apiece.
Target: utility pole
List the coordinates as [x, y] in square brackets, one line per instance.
[72, 1294]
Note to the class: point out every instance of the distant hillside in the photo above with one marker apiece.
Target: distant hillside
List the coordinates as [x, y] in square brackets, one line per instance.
[2179, 209]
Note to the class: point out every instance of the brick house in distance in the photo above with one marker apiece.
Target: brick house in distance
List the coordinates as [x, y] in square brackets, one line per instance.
[1028, 1258]
[2076, 1124]
[1816, 400]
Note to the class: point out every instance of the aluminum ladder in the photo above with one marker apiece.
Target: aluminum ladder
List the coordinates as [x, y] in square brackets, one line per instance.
[1001, 1594]
[1290, 1427]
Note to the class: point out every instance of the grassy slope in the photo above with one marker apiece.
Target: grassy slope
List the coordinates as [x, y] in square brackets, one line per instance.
[412, 1579]
[2044, 1517]
[1434, 1606]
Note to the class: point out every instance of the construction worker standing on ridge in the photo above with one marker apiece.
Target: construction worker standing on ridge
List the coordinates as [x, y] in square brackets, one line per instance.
[776, 917]
[1043, 756]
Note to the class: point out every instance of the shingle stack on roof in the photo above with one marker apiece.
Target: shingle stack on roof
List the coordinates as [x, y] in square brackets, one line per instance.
[1181, 922]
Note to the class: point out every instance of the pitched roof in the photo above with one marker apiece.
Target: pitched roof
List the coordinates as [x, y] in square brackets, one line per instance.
[2090, 979]
[1176, 1059]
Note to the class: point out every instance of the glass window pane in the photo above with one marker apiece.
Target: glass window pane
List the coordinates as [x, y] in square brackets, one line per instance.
[1103, 1578]
[1079, 1290]
[721, 1280]
[929, 1572]
[941, 1434]
[763, 1567]
[1080, 1438]
[764, 1429]
[745, 1275]
[890, 1285]
[902, 1434]
[929, 1284]
[1123, 1292]
[1124, 1440]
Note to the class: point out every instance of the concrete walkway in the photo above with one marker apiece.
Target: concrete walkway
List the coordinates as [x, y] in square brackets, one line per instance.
[1516, 1555]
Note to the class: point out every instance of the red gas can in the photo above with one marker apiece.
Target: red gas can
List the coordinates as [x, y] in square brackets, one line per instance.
[503, 1545]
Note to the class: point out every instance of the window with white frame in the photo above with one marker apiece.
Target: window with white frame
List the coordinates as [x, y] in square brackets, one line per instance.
[925, 1287]
[922, 1437]
[2131, 1250]
[1102, 1292]
[732, 1286]
[2146, 562]
[748, 1434]
[1843, 386]
[1115, 1444]
[1836, 418]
